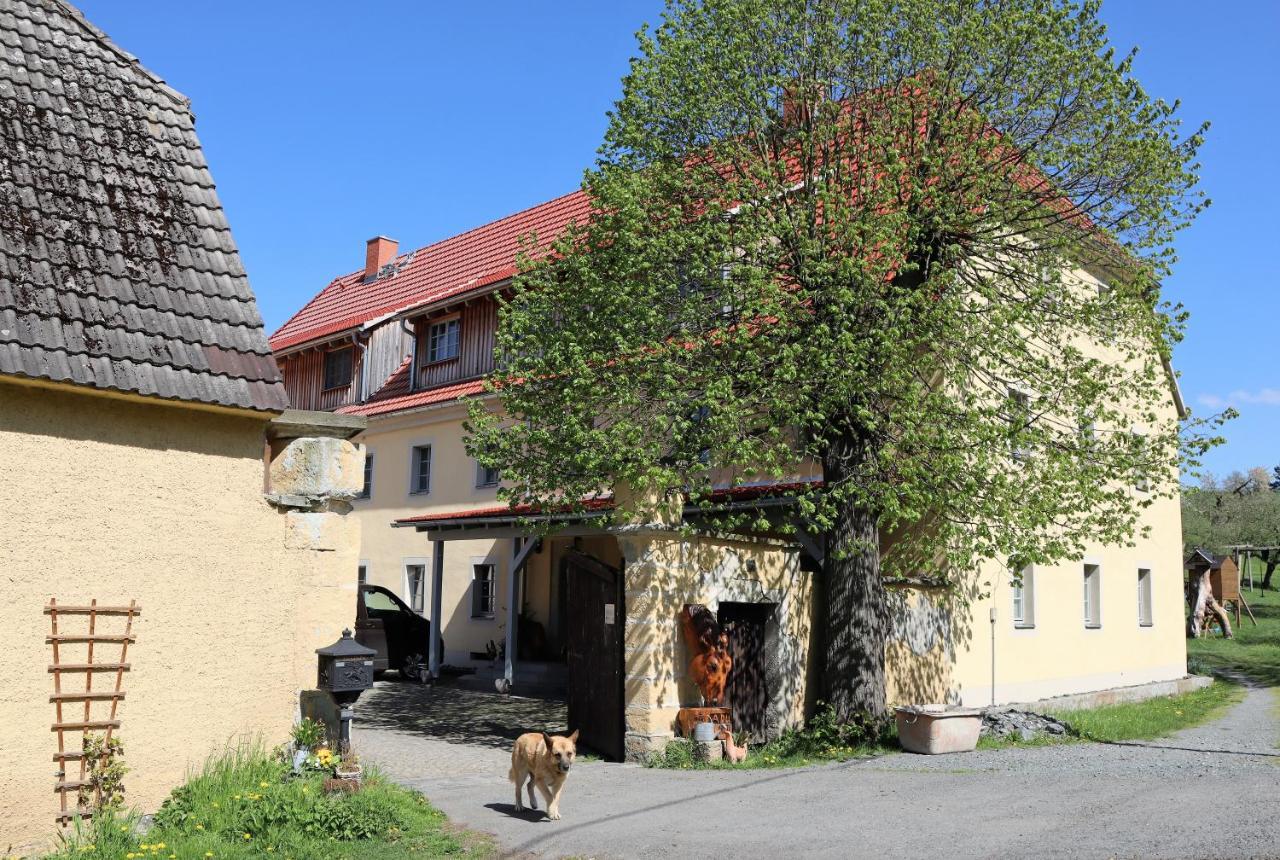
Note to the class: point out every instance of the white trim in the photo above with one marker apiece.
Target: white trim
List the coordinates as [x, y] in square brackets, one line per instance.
[1151, 595]
[405, 594]
[414, 444]
[1095, 594]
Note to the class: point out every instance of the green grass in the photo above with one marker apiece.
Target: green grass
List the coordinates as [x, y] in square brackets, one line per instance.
[822, 740]
[1131, 721]
[1255, 650]
[245, 804]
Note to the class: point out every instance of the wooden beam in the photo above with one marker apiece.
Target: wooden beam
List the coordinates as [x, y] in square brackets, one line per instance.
[812, 545]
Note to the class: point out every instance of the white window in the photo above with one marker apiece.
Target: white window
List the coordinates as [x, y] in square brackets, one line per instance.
[366, 491]
[1024, 598]
[1019, 406]
[1092, 596]
[420, 470]
[442, 341]
[486, 476]
[483, 591]
[1144, 597]
[415, 586]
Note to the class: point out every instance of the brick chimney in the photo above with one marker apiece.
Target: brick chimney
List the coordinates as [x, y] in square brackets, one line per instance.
[378, 252]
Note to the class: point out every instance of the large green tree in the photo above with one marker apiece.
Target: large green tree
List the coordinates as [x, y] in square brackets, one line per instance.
[833, 232]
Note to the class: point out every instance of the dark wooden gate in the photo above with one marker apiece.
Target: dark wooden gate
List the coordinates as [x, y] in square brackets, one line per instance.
[748, 691]
[593, 627]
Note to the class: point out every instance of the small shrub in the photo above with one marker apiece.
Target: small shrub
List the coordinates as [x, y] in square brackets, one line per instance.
[104, 773]
[677, 754]
[309, 733]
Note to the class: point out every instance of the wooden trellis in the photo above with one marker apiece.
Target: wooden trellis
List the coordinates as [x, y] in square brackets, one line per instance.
[76, 724]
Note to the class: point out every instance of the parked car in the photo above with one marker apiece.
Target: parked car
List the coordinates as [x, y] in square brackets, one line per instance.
[386, 624]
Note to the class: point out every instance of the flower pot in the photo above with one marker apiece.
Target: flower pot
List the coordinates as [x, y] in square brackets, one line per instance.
[352, 773]
[935, 729]
[300, 756]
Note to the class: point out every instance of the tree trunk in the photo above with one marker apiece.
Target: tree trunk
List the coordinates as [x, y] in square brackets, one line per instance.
[1200, 598]
[857, 613]
[1272, 559]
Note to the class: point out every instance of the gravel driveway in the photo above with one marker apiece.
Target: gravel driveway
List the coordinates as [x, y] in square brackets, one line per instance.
[1207, 792]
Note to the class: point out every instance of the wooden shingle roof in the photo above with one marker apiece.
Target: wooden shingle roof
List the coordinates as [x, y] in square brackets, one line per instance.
[118, 270]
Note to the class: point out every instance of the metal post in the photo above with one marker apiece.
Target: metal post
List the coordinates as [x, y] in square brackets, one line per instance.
[434, 657]
[513, 612]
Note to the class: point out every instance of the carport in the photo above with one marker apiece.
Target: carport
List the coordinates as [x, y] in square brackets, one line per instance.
[627, 701]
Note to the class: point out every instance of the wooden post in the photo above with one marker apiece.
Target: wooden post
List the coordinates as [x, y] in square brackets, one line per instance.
[434, 657]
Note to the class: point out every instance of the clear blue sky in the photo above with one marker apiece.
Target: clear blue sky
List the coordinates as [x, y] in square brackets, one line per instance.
[329, 122]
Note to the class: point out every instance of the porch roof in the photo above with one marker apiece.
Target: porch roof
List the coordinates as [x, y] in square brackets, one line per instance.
[514, 520]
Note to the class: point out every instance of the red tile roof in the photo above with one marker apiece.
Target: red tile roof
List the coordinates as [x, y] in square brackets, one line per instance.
[470, 261]
[395, 395]
[742, 493]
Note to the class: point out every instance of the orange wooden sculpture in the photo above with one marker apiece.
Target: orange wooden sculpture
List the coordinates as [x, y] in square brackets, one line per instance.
[709, 646]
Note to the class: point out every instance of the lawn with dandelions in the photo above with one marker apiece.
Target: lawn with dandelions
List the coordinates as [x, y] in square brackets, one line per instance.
[246, 803]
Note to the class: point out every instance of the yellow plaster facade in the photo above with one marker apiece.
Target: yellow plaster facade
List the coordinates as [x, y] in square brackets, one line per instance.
[118, 499]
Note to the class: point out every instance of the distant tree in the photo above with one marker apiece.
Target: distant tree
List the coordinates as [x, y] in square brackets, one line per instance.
[835, 233]
[1241, 509]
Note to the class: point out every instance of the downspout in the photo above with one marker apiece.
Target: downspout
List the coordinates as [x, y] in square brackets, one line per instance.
[361, 380]
[413, 352]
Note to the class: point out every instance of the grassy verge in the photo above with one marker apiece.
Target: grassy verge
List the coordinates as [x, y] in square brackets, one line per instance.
[823, 740]
[1255, 650]
[1130, 721]
[245, 804]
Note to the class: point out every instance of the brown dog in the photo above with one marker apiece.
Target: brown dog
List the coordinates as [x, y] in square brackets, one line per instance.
[545, 761]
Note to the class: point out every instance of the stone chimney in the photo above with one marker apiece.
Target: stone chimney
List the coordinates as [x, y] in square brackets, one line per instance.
[378, 252]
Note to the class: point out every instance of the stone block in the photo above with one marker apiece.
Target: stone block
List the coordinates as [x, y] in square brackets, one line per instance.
[319, 467]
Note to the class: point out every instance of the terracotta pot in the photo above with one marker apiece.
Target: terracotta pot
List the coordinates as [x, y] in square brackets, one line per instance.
[934, 729]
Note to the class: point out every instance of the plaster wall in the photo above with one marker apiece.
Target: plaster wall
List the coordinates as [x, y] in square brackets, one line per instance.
[119, 499]
[663, 572]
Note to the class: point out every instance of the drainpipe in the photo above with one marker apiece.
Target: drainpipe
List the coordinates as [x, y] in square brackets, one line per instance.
[993, 656]
[413, 362]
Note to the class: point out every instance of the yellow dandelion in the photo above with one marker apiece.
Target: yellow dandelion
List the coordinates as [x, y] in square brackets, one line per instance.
[262, 785]
[248, 836]
[199, 827]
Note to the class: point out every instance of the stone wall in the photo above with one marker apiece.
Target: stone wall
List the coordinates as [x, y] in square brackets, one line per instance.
[666, 570]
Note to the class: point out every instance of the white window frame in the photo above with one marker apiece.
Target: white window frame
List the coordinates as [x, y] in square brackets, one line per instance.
[415, 467]
[456, 322]
[478, 612]
[1023, 595]
[1146, 596]
[1092, 594]
[1020, 395]
[409, 597]
[481, 474]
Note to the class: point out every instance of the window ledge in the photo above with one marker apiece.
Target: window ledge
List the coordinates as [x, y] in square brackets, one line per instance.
[438, 362]
[482, 617]
[1030, 626]
[1146, 624]
[1093, 627]
[420, 492]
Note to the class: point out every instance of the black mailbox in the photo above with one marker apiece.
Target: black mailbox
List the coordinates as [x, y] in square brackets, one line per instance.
[346, 667]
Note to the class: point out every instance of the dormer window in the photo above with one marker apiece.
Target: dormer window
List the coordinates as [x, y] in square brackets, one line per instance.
[442, 340]
[338, 364]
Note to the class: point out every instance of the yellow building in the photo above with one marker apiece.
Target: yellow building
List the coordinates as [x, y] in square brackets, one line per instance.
[406, 339]
[149, 461]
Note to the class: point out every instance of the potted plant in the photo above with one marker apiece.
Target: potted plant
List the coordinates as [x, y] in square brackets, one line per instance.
[348, 765]
[308, 737]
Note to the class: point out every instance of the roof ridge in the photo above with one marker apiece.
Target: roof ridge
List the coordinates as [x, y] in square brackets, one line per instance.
[130, 60]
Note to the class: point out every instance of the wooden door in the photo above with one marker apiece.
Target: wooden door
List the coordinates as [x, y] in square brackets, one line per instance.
[593, 628]
[748, 690]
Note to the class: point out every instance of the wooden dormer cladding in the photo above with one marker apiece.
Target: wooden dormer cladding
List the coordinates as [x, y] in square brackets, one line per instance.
[304, 375]
[477, 323]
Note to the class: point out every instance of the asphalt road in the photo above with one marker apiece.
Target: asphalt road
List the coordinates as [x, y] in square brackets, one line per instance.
[1213, 791]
